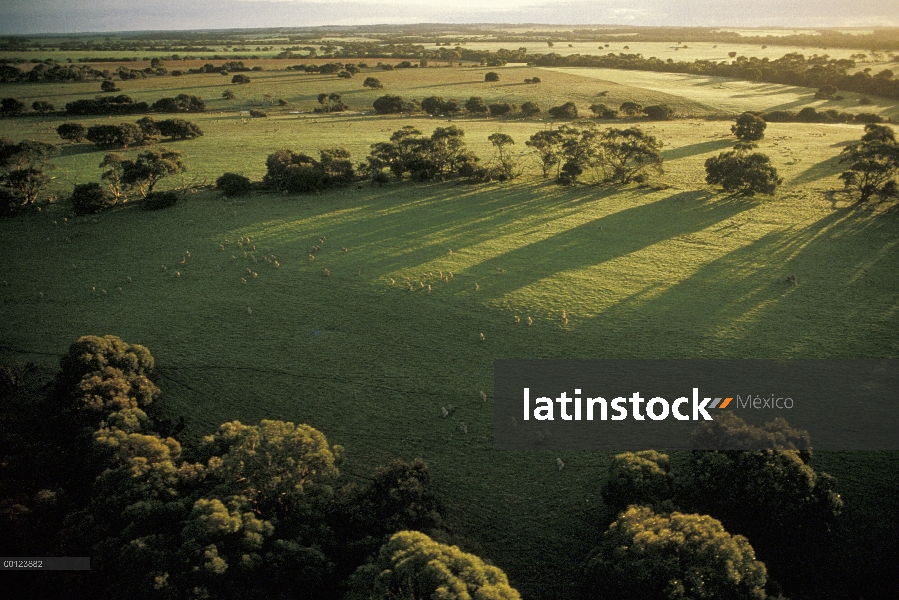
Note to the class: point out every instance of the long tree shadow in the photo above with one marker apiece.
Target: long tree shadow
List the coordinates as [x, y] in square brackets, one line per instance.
[601, 240]
[697, 148]
[825, 168]
[802, 292]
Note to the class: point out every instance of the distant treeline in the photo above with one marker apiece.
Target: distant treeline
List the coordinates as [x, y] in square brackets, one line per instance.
[791, 69]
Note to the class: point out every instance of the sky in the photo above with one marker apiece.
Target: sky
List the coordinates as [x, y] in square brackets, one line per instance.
[70, 16]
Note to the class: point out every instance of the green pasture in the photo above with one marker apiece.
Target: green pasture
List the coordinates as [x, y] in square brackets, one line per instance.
[252, 328]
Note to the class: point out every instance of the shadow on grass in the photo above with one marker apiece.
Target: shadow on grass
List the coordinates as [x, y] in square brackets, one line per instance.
[697, 148]
[744, 304]
[825, 168]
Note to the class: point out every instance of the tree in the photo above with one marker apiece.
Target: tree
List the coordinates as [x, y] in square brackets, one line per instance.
[373, 83]
[565, 111]
[228, 95]
[233, 184]
[491, 76]
[88, 198]
[150, 167]
[629, 155]
[412, 565]
[42, 107]
[91, 353]
[740, 170]
[546, 145]
[642, 478]
[75, 132]
[873, 164]
[749, 127]
[108, 86]
[10, 107]
[476, 105]
[23, 174]
[800, 505]
[672, 556]
[501, 142]
[240, 78]
[113, 175]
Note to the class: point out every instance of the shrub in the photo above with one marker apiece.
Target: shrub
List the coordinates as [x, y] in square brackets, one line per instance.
[74, 132]
[631, 109]
[258, 113]
[108, 86]
[178, 129]
[659, 112]
[10, 107]
[565, 111]
[124, 135]
[826, 91]
[741, 171]
[603, 111]
[180, 103]
[160, 200]
[373, 83]
[491, 76]
[529, 109]
[233, 184]
[476, 105]
[89, 198]
[389, 104]
[499, 109]
[106, 105]
[345, 75]
[42, 106]
[240, 79]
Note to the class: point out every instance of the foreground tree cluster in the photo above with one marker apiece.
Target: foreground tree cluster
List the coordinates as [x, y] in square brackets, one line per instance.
[670, 538]
[251, 511]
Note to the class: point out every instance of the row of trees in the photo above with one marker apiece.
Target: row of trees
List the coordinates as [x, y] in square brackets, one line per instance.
[125, 105]
[144, 132]
[475, 105]
[791, 69]
[251, 511]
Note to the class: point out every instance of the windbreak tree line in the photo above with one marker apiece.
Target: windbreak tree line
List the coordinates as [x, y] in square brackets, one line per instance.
[248, 511]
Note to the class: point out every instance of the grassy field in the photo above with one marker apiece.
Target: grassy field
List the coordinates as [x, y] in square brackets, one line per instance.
[642, 273]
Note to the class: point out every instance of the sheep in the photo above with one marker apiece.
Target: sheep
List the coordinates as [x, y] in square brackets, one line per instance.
[326, 272]
[429, 288]
[249, 311]
[483, 396]
[516, 319]
[311, 257]
[463, 427]
[392, 281]
[345, 250]
[476, 286]
[530, 321]
[128, 279]
[444, 412]
[483, 337]
[560, 464]
[242, 280]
